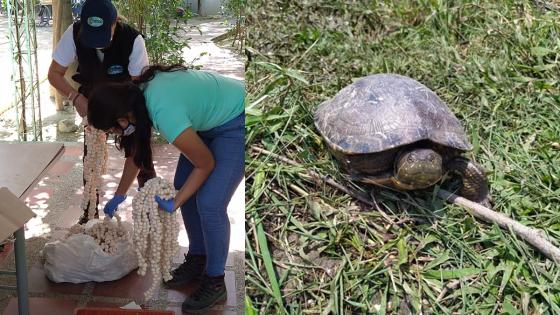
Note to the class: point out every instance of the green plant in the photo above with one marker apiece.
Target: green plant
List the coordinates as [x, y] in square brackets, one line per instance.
[159, 21]
[237, 10]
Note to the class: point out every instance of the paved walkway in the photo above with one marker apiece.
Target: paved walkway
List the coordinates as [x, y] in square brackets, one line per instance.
[56, 200]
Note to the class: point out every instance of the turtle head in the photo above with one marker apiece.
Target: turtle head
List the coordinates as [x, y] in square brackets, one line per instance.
[418, 168]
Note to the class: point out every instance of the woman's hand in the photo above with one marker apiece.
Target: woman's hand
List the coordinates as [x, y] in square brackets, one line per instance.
[113, 204]
[166, 205]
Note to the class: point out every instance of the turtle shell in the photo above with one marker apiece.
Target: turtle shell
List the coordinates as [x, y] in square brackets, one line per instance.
[384, 111]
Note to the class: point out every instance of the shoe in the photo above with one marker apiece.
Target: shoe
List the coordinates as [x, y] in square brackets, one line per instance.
[191, 269]
[211, 291]
[84, 218]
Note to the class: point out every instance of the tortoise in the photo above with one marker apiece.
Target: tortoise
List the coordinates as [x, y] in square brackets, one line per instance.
[392, 131]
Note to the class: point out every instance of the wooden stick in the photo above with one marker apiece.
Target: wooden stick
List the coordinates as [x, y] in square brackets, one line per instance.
[532, 236]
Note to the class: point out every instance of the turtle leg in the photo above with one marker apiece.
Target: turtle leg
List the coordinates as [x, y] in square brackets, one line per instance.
[474, 181]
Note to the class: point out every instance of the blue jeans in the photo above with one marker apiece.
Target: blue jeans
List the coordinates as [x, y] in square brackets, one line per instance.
[205, 213]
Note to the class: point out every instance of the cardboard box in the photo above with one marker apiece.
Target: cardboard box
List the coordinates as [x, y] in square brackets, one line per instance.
[14, 213]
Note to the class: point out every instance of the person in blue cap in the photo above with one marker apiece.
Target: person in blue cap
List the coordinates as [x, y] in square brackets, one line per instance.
[106, 50]
[203, 115]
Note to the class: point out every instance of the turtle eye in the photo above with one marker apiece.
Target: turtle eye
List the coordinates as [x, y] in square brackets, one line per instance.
[432, 157]
[410, 159]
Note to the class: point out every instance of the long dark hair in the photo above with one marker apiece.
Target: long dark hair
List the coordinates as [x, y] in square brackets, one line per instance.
[110, 101]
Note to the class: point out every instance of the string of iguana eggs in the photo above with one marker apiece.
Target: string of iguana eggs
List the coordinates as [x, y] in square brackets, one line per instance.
[155, 232]
[95, 165]
[106, 234]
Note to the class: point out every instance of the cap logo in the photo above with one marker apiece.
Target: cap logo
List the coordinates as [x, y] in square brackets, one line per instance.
[95, 21]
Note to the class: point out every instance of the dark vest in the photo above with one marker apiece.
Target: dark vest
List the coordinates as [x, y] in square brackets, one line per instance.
[91, 71]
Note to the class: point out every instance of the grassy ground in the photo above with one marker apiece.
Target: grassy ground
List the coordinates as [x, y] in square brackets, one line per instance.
[311, 249]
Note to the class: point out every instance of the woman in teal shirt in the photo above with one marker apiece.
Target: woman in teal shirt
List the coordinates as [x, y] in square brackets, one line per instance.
[203, 115]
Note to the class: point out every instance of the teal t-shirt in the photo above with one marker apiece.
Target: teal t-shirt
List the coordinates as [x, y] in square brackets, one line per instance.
[198, 99]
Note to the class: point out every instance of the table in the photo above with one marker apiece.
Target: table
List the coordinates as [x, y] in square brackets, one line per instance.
[24, 164]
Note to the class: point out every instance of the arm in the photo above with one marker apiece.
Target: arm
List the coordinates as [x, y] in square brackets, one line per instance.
[129, 173]
[64, 54]
[190, 145]
[57, 79]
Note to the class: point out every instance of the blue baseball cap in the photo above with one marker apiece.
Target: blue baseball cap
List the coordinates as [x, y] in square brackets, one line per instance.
[97, 17]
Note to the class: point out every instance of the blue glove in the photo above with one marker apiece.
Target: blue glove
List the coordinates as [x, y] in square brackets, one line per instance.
[112, 205]
[166, 205]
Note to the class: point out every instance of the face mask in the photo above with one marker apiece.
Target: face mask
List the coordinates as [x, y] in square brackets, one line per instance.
[129, 130]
